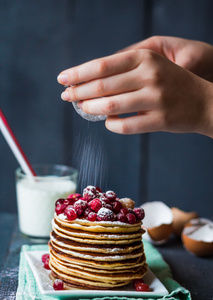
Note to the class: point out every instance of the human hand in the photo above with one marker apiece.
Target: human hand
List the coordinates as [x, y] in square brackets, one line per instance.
[164, 96]
[194, 56]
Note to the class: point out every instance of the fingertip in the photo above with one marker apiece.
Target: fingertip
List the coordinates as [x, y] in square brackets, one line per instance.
[62, 78]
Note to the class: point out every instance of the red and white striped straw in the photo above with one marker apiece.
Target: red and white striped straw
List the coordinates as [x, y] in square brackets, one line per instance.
[15, 146]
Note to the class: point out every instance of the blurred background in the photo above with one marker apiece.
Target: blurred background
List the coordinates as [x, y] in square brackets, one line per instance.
[41, 38]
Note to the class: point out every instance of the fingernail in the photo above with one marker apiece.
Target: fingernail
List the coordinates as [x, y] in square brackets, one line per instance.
[62, 78]
[65, 96]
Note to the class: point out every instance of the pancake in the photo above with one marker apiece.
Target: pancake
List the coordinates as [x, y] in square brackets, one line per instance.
[102, 253]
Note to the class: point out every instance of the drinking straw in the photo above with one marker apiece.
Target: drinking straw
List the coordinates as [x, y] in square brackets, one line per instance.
[15, 146]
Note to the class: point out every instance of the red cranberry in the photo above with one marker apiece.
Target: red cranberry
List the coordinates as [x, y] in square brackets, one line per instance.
[124, 211]
[70, 213]
[95, 204]
[139, 213]
[69, 201]
[59, 209]
[111, 195]
[136, 281]
[142, 287]
[131, 218]
[58, 285]
[74, 196]
[87, 211]
[45, 257]
[46, 264]
[116, 206]
[92, 216]
[105, 214]
[59, 201]
[80, 206]
[90, 192]
[122, 218]
[104, 199]
[98, 189]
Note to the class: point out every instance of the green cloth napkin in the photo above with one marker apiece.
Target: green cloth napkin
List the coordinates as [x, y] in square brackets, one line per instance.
[28, 290]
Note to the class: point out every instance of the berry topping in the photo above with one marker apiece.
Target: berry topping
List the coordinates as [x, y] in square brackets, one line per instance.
[92, 216]
[95, 204]
[127, 203]
[139, 212]
[98, 189]
[105, 214]
[142, 287]
[59, 201]
[116, 206]
[122, 218]
[87, 211]
[124, 211]
[69, 201]
[80, 206]
[131, 218]
[70, 213]
[74, 196]
[58, 285]
[89, 192]
[59, 209]
[46, 264]
[45, 257]
[111, 195]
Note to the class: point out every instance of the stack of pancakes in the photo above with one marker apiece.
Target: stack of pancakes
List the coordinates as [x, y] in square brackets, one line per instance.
[96, 255]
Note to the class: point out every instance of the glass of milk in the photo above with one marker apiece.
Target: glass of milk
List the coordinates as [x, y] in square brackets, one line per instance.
[36, 196]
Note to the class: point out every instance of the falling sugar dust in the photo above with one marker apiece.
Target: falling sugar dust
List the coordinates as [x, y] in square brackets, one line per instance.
[91, 160]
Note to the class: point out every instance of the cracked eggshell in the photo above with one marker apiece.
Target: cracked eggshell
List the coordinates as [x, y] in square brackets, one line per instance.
[157, 222]
[180, 218]
[197, 237]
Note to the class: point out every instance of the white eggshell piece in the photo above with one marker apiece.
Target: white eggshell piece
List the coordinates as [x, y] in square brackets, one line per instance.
[156, 214]
[201, 230]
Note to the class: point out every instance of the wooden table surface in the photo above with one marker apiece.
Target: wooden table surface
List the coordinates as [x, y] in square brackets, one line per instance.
[194, 273]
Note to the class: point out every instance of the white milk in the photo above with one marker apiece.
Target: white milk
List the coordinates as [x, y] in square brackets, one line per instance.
[36, 203]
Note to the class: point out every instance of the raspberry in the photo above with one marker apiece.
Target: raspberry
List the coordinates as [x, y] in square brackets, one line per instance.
[70, 213]
[131, 218]
[90, 192]
[46, 264]
[59, 209]
[142, 287]
[122, 218]
[58, 285]
[74, 196]
[95, 204]
[139, 213]
[116, 206]
[105, 214]
[111, 195]
[59, 201]
[124, 211]
[92, 216]
[80, 206]
[45, 257]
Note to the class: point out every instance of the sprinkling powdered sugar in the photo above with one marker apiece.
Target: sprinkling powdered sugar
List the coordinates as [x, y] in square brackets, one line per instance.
[104, 212]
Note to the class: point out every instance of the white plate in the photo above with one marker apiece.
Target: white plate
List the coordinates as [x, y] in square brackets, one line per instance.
[45, 284]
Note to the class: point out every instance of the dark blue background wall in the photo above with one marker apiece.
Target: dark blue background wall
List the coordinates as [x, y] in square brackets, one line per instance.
[41, 38]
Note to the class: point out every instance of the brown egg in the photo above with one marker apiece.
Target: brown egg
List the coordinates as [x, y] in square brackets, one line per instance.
[180, 218]
[197, 237]
[157, 222]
